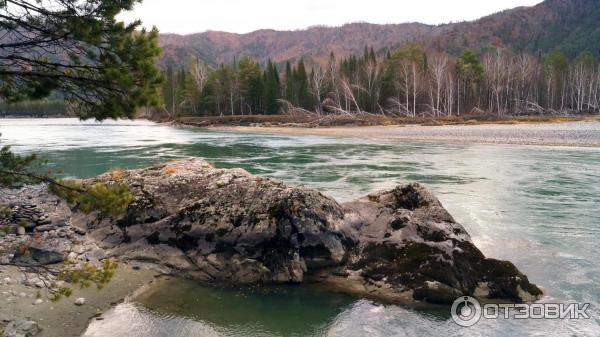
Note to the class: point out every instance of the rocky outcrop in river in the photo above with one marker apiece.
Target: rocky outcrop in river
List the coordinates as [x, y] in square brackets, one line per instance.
[191, 219]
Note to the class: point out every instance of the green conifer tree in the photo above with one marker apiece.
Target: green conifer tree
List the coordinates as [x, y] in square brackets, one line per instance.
[271, 89]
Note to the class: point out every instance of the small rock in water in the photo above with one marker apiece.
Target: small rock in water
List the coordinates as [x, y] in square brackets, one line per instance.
[80, 301]
[7, 280]
[38, 301]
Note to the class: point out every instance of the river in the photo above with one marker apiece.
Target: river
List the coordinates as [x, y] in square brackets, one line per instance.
[536, 206]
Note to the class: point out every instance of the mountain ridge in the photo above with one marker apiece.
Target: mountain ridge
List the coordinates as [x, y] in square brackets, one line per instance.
[571, 25]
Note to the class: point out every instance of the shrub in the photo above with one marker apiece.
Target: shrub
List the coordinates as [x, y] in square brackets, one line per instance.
[108, 200]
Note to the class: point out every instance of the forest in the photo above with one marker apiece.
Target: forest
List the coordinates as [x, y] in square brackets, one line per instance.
[37, 108]
[409, 81]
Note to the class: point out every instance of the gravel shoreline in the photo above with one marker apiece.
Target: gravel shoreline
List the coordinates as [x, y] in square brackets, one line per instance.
[32, 219]
[65, 318]
[572, 134]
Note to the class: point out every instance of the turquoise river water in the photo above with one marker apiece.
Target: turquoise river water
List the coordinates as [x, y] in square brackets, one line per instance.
[538, 207]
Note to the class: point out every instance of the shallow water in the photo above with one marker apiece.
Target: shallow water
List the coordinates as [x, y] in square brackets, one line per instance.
[536, 206]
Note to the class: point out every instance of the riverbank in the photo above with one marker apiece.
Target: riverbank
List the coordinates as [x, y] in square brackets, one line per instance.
[315, 121]
[573, 133]
[37, 238]
[22, 301]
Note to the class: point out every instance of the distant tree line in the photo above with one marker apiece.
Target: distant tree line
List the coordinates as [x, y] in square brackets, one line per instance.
[39, 108]
[405, 82]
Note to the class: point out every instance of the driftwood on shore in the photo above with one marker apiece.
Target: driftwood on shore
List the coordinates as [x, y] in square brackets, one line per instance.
[313, 120]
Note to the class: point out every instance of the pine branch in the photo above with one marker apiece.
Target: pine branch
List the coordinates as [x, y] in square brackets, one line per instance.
[44, 179]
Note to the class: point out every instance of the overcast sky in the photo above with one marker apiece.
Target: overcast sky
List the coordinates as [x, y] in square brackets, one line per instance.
[243, 16]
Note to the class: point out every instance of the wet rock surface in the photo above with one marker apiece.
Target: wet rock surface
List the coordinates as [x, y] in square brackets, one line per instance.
[228, 226]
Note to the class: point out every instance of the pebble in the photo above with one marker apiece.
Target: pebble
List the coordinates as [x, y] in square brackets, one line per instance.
[4, 260]
[80, 301]
[7, 280]
[33, 282]
[95, 255]
[38, 301]
[30, 227]
[45, 228]
[72, 256]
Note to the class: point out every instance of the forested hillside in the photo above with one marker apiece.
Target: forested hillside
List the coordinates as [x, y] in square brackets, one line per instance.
[569, 25]
[314, 44]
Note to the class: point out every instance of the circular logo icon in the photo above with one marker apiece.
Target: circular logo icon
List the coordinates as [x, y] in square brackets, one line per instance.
[466, 311]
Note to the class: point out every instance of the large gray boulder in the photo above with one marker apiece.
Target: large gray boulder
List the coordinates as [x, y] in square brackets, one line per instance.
[228, 226]
[410, 247]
